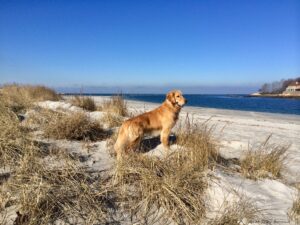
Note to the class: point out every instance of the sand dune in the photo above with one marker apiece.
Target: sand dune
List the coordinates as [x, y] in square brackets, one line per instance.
[235, 131]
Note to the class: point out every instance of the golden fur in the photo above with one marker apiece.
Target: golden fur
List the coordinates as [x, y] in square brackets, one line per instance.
[161, 119]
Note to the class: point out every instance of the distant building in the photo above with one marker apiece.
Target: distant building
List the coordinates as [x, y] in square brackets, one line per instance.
[293, 88]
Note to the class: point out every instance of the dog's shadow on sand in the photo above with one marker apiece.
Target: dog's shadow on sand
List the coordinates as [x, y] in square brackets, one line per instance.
[150, 143]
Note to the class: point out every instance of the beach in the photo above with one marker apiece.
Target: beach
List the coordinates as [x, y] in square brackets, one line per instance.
[234, 133]
[239, 131]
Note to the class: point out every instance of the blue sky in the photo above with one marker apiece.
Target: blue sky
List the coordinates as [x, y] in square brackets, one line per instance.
[151, 43]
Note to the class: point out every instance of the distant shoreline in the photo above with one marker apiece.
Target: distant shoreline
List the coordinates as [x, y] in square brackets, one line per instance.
[273, 96]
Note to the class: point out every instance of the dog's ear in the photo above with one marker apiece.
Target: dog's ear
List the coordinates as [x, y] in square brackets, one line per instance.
[171, 97]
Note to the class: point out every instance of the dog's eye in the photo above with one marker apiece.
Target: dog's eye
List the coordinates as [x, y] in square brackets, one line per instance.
[177, 96]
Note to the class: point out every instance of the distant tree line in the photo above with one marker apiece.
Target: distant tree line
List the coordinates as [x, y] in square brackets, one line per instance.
[276, 87]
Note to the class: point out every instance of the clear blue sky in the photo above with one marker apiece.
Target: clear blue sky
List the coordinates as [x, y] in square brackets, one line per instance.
[157, 42]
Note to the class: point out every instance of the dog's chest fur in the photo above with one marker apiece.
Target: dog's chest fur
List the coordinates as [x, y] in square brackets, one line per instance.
[175, 116]
[170, 119]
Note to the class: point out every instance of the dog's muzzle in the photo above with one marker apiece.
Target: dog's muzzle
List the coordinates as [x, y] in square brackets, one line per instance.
[184, 103]
[177, 104]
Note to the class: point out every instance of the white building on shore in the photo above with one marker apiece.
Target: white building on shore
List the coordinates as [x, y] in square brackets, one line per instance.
[293, 88]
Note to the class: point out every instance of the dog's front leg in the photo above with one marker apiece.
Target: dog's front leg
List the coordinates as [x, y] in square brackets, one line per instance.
[164, 137]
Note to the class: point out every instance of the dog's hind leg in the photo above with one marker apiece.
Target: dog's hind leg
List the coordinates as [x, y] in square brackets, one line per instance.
[135, 136]
[135, 144]
[129, 138]
[121, 143]
[119, 147]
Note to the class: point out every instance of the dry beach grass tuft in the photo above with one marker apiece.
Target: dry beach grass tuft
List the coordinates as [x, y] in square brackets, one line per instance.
[84, 102]
[171, 188]
[265, 161]
[115, 105]
[112, 120]
[116, 109]
[294, 213]
[198, 139]
[242, 211]
[46, 194]
[14, 139]
[75, 126]
[20, 97]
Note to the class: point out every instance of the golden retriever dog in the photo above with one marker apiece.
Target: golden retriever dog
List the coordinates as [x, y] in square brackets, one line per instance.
[161, 119]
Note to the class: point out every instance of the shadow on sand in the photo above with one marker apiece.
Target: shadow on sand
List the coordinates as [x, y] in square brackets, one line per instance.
[150, 143]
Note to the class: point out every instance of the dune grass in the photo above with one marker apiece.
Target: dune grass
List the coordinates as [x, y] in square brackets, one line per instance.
[242, 211]
[115, 110]
[66, 192]
[116, 105]
[75, 126]
[39, 117]
[294, 213]
[266, 161]
[20, 97]
[13, 138]
[85, 102]
[44, 193]
[112, 120]
[172, 188]
[198, 139]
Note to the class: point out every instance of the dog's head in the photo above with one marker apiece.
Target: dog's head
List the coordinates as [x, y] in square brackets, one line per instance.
[176, 98]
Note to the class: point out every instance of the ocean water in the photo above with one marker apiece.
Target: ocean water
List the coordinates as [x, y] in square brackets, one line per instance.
[233, 102]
